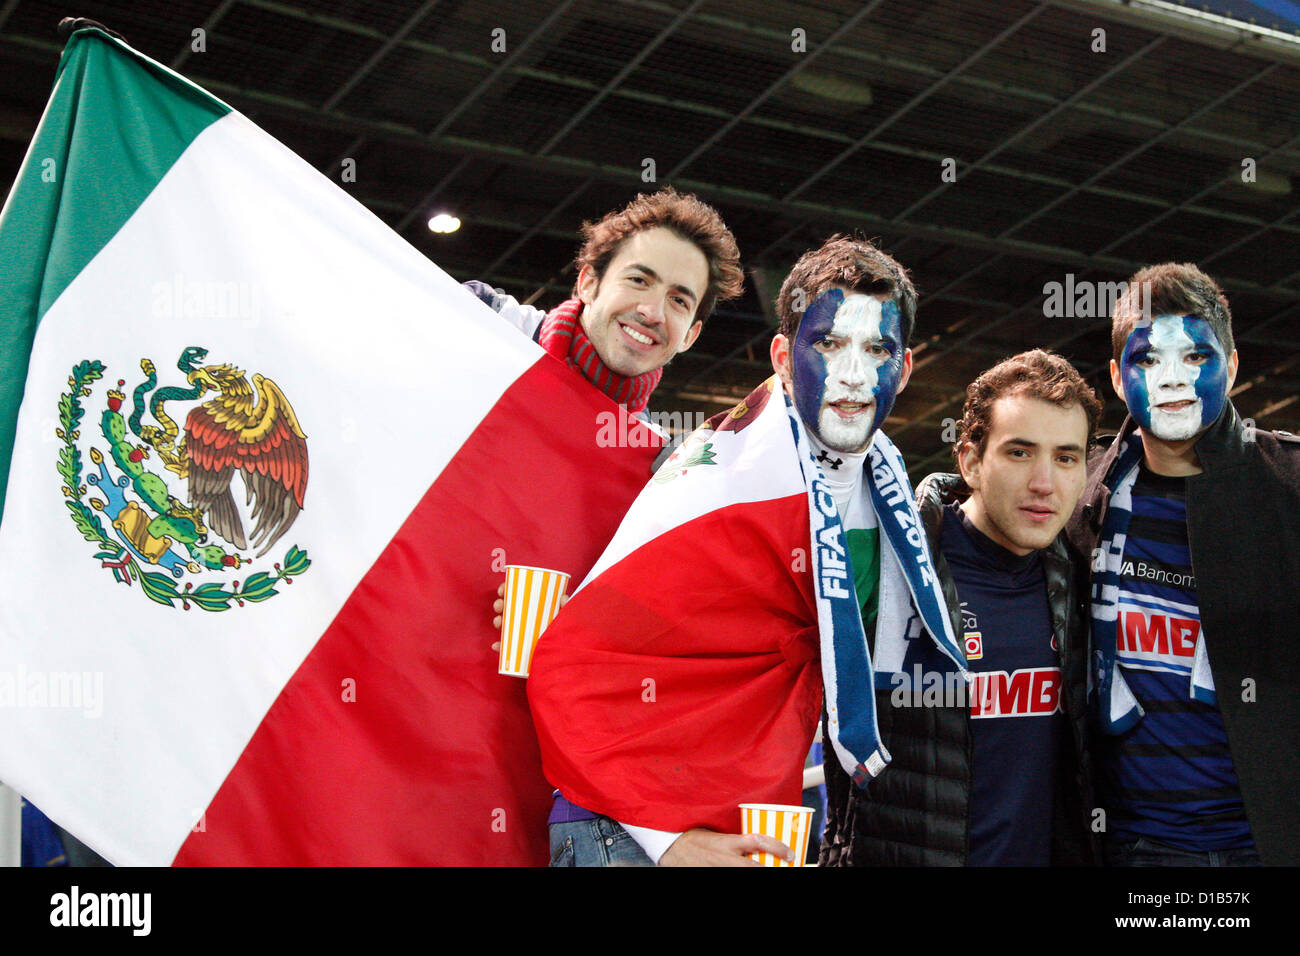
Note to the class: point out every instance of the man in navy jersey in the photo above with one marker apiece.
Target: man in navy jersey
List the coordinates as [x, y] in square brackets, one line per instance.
[1193, 521]
[990, 767]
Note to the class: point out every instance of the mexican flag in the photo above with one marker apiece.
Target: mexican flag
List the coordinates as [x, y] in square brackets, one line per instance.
[683, 677]
[268, 465]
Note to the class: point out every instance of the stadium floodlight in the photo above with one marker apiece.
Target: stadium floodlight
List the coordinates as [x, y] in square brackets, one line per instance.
[444, 222]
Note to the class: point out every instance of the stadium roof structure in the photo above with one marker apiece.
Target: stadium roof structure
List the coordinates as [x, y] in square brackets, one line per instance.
[1087, 138]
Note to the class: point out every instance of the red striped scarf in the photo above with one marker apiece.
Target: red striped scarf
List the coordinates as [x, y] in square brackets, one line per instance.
[561, 334]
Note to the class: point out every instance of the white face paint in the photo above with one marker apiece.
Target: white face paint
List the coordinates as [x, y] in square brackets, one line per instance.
[854, 351]
[1170, 381]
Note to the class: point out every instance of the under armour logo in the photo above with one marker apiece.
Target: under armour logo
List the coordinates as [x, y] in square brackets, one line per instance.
[825, 459]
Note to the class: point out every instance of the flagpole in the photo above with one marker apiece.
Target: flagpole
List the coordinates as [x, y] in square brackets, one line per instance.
[11, 827]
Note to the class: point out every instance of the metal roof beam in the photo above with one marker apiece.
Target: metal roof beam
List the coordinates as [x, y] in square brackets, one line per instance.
[1234, 142]
[1201, 194]
[993, 86]
[444, 124]
[210, 24]
[1246, 39]
[844, 217]
[366, 68]
[1143, 147]
[1047, 117]
[942, 347]
[628, 68]
[800, 65]
[917, 100]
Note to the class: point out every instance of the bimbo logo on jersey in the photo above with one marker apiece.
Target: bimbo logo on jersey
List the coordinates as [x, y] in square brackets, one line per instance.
[1030, 692]
[1157, 637]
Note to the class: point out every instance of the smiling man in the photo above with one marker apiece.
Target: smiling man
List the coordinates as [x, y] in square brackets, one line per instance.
[843, 360]
[649, 274]
[1174, 373]
[1195, 521]
[990, 766]
[639, 311]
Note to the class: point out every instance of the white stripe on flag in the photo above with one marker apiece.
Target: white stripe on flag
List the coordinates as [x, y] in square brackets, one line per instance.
[389, 365]
[743, 473]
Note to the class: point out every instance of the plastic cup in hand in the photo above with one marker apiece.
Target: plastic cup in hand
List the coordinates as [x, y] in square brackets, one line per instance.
[790, 825]
[532, 601]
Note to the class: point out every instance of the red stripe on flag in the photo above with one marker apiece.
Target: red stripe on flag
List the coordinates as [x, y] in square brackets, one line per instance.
[684, 680]
[435, 761]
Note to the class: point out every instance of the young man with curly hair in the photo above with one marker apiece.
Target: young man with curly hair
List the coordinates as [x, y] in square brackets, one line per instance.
[649, 274]
[989, 766]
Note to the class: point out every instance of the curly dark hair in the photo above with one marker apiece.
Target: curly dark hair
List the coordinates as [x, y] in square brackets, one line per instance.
[685, 215]
[851, 262]
[1039, 374]
[1171, 288]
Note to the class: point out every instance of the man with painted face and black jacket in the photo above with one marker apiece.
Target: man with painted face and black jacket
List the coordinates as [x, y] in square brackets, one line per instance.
[990, 767]
[1193, 521]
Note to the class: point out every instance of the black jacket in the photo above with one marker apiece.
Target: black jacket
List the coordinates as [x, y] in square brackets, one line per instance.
[917, 811]
[1243, 526]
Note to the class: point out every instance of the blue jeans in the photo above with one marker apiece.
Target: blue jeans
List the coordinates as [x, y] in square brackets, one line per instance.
[598, 842]
[1143, 851]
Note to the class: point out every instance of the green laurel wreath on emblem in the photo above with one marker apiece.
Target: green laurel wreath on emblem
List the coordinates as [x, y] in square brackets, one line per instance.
[156, 586]
[701, 454]
[69, 466]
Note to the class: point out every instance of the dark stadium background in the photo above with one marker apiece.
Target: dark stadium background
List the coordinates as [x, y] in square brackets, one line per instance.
[1069, 160]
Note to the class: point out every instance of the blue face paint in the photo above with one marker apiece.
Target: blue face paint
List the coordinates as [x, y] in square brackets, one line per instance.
[891, 371]
[1175, 376]
[809, 366]
[847, 363]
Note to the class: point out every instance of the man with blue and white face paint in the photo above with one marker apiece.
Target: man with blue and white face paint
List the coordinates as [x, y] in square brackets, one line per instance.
[849, 363]
[840, 353]
[1174, 376]
[1193, 521]
[846, 312]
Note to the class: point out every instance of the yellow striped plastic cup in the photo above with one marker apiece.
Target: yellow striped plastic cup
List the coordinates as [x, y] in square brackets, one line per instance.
[790, 825]
[532, 601]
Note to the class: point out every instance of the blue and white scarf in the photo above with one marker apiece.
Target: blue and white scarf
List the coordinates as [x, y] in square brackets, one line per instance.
[1118, 707]
[909, 587]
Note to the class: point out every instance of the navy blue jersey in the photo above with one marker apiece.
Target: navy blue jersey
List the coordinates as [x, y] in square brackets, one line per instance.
[1015, 695]
[1170, 777]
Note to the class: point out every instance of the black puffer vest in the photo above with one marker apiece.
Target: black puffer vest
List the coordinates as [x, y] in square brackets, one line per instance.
[917, 812]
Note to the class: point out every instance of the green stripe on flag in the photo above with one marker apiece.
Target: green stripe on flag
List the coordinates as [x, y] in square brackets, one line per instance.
[116, 123]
